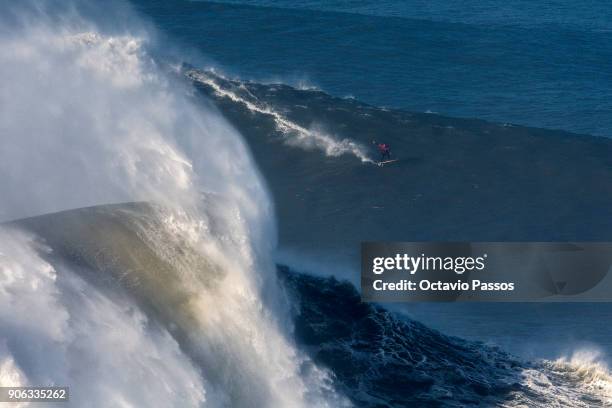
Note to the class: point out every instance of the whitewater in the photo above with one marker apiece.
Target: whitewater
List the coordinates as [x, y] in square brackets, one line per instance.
[88, 117]
[295, 135]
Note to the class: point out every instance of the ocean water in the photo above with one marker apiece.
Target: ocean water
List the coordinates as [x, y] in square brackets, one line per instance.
[530, 63]
[541, 63]
[185, 186]
[455, 180]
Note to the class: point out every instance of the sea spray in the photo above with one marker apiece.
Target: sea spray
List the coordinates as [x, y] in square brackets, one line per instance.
[59, 330]
[88, 119]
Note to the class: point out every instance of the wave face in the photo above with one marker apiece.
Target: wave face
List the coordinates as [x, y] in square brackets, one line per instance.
[293, 133]
[89, 117]
[382, 361]
[173, 299]
[102, 267]
[459, 178]
[504, 181]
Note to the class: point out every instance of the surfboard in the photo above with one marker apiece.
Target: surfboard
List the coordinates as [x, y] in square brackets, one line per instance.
[382, 163]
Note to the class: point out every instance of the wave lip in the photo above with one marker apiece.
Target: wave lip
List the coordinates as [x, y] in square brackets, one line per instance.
[89, 119]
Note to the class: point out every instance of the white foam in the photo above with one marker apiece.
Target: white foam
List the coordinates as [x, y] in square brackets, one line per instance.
[88, 119]
[56, 330]
[296, 135]
[588, 370]
[580, 380]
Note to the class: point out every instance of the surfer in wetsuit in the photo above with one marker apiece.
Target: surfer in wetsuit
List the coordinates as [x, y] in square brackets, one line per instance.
[385, 151]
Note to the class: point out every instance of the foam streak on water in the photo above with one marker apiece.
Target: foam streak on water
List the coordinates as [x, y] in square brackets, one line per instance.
[296, 135]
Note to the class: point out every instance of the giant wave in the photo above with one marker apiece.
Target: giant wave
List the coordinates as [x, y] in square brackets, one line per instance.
[89, 117]
[101, 269]
[137, 253]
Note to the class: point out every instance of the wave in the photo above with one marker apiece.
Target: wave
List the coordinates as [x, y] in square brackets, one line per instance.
[57, 329]
[295, 134]
[380, 359]
[89, 118]
[120, 266]
[588, 374]
[174, 298]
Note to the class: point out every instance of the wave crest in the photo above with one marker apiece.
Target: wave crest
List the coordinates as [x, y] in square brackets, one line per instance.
[295, 135]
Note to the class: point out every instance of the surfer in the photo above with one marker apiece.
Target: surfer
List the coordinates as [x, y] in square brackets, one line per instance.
[385, 151]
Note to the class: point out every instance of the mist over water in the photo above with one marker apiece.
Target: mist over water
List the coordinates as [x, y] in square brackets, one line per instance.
[88, 118]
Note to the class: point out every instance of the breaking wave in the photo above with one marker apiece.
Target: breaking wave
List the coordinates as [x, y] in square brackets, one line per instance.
[57, 329]
[89, 118]
[381, 360]
[586, 377]
[295, 134]
[171, 297]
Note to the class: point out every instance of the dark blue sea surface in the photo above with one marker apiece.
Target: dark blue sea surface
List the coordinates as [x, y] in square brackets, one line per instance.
[455, 180]
[304, 80]
[544, 63]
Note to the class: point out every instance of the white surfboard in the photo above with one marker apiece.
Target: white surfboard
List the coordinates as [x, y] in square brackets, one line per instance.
[382, 163]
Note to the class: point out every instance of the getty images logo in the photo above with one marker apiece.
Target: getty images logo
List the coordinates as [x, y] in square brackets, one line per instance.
[413, 264]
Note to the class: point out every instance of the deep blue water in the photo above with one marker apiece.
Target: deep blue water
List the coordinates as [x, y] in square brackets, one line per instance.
[534, 63]
[538, 63]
